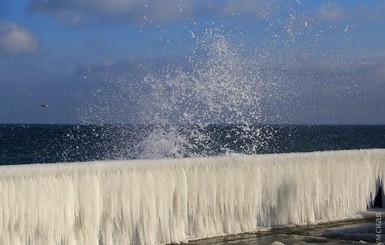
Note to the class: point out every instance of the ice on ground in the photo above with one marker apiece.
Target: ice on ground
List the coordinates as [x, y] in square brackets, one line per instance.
[277, 243]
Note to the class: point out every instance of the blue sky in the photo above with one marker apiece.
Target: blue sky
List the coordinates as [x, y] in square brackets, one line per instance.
[318, 62]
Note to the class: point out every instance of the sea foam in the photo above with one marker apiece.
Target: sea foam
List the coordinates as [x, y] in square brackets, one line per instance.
[175, 200]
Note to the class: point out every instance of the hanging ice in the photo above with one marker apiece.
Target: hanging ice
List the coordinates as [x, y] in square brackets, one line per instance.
[163, 201]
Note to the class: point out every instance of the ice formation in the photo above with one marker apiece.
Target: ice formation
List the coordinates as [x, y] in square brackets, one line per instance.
[175, 200]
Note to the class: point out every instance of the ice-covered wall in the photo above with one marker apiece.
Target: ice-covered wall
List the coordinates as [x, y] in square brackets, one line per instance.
[163, 201]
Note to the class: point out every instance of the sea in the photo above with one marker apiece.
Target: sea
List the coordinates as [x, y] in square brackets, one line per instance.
[54, 143]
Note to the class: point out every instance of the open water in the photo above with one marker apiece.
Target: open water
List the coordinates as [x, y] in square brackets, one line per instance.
[25, 144]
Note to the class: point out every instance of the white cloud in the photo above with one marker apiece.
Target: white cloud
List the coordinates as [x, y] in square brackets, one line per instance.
[360, 12]
[259, 8]
[330, 12]
[85, 12]
[370, 13]
[16, 40]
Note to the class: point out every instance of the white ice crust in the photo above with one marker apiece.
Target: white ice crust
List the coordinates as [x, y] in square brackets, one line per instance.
[175, 200]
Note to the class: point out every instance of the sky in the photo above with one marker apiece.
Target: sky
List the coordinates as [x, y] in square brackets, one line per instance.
[315, 62]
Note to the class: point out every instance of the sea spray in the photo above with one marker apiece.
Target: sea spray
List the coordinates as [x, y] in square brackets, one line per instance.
[228, 77]
[218, 87]
[184, 105]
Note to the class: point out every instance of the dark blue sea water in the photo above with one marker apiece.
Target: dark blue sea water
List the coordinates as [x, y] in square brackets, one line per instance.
[25, 144]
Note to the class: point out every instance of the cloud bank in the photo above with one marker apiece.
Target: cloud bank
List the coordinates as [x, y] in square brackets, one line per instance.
[81, 13]
[15, 40]
[332, 12]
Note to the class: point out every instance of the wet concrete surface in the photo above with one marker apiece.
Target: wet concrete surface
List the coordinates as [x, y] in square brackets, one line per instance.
[311, 234]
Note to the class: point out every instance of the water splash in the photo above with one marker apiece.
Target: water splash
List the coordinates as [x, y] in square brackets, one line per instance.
[185, 107]
[221, 81]
[218, 87]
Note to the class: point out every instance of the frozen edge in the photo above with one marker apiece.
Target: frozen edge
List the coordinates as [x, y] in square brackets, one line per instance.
[166, 200]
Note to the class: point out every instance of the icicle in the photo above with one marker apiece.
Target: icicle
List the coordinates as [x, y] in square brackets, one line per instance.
[174, 200]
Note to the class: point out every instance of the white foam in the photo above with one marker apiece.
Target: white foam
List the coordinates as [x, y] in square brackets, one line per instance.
[174, 200]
